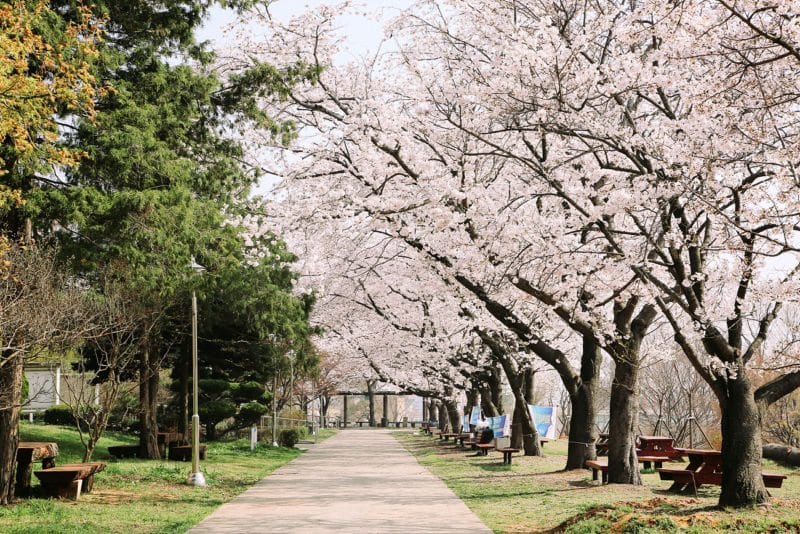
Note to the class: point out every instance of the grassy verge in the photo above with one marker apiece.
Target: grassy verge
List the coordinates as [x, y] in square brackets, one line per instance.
[139, 496]
[534, 495]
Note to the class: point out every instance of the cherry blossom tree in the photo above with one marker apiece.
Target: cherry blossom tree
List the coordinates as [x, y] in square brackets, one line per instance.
[576, 164]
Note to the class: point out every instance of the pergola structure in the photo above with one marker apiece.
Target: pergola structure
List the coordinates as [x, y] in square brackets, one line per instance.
[371, 395]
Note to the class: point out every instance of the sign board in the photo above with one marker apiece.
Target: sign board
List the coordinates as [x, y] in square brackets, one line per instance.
[544, 417]
[500, 425]
[475, 415]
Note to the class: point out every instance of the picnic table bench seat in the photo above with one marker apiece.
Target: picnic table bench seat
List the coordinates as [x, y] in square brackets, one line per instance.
[183, 453]
[69, 480]
[694, 479]
[484, 448]
[598, 467]
[507, 453]
[657, 460]
[124, 451]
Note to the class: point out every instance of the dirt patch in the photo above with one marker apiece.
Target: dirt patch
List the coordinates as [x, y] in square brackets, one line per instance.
[112, 496]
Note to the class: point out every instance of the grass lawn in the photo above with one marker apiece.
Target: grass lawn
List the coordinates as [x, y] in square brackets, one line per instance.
[534, 495]
[135, 496]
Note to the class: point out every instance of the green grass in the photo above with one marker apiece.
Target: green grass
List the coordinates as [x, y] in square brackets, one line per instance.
[140, 496]
[535, 495]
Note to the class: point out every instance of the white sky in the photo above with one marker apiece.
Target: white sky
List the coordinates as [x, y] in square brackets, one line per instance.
[363, 35]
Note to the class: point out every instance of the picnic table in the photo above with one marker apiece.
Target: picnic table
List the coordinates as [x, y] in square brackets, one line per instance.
[27, 453]
[705, 467]
[656, 450]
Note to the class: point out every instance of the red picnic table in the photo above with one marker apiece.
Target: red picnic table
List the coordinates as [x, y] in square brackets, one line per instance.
[705, 467]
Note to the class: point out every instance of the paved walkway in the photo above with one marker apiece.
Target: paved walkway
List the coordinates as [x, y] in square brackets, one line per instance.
[358, 481]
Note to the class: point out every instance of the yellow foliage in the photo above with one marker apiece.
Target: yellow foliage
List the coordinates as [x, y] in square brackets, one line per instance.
[32, 92]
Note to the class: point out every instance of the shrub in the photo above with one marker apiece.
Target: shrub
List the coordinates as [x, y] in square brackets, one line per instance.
[288, 437]
[60, 414]
[213, 387]
[248, 391]
[250, 413]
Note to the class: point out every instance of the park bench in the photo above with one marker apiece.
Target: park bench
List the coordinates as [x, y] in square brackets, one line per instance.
[68, 480]
[598, 467]
[484, 448]
[29, 452]
[124, 451]
[507, 452]
[602, 467]
[183, 453]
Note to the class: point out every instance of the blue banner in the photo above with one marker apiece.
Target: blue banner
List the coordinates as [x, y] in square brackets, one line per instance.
[465, 424]
[543, 419]
[498, 425]
[475, 415]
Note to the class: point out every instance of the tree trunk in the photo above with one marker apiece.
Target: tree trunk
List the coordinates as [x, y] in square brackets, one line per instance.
[10, 393]
[623, 465]
[184, 370]
[148, 393]
[496, 390]
[454, 415]
[487, 406]
[473, 396]
[529, 376]
[582, 432]
[742, 484]
[441, 416]
[371, 395]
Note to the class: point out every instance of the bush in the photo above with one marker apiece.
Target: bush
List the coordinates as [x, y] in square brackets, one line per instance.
[288, 437]
[250, 413]
[60, 414]
[248, 391]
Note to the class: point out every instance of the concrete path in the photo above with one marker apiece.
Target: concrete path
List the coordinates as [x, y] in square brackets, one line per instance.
[358, 481]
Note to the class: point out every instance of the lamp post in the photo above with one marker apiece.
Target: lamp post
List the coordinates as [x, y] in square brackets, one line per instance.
[196, 477]
[274, 393]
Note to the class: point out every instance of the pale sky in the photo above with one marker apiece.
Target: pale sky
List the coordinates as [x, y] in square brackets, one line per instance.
[363, 35]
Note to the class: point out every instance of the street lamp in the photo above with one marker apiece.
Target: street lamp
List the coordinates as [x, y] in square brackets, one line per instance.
[274, 393]
[196, 478]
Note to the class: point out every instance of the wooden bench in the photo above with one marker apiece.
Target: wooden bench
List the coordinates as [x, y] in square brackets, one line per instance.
[507, 452]
[88, 482]
[596, 467]
[124, 451]
[687, 478]
[68, 480]
[183, 453]
[484, 448]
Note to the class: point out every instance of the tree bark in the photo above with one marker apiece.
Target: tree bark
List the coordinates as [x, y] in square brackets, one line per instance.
[371, 395]
[10, 397]
[487, 406]
[441, 415]
[184, 369]
[453, 415]
[582, 431]
[742, 484]
[148, 399]
[623, 465]
[530, 385]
